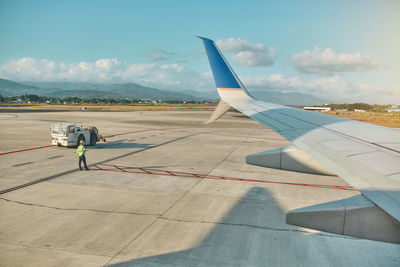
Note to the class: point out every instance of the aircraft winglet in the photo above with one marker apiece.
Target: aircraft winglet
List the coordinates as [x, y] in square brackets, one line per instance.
[229, 86]
[223, 75]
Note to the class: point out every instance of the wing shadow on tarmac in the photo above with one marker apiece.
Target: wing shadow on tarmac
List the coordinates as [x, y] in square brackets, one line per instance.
[247, 235]
[252, 233]
[120, 144]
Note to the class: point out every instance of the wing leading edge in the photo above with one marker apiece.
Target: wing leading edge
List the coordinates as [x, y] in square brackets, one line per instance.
[366, 156]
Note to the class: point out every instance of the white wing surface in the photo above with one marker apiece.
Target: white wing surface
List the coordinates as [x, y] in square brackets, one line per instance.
[366, 156]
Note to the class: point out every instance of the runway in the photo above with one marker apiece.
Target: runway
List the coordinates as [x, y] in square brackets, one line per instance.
[166, 190]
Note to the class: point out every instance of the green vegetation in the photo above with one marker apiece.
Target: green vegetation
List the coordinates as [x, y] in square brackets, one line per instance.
[363, 106]
[351, 107]
[26, 98]
[35, 99]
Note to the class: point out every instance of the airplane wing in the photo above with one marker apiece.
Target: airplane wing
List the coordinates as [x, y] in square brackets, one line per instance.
[366, 156]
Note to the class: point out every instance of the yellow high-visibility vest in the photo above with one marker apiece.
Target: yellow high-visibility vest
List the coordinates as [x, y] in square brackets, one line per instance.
[81, 150]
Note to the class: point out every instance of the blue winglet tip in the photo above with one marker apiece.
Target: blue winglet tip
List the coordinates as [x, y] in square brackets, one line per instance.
[204, 38]
[223, 74]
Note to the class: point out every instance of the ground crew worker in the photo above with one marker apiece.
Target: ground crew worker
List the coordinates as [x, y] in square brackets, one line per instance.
[81, 153]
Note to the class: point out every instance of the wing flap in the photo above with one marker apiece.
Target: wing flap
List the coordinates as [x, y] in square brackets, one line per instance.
[355, 216]
[288, 158]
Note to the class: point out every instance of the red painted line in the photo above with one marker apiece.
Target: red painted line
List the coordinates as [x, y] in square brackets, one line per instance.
[22, 150]
[144, 170]
[98, 168]
[205, 176]
[161, 172]
[119, 168]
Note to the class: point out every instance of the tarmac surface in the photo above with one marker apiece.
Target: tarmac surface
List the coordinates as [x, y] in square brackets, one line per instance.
[167, 190]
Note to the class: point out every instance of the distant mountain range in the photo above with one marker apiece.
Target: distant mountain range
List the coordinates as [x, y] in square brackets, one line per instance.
[93, 90]
[136, 91]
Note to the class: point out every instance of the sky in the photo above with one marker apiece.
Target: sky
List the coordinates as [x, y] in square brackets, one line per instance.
[342, 51]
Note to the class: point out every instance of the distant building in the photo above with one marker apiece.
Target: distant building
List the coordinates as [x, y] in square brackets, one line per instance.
[320, 109]
[359, 110]
[393, 109]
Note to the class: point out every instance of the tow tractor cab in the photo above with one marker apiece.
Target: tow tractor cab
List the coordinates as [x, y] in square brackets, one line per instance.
[70, 135]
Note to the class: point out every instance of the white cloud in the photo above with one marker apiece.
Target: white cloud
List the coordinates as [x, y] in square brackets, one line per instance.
[172, 76]
[247, 54]
[331, 88]
[107, 64]
[168, 76]
[176, 76]
[327, 62]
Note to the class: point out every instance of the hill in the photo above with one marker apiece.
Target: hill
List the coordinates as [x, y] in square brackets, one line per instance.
[93, 90]
[136, 91]
[10, 88]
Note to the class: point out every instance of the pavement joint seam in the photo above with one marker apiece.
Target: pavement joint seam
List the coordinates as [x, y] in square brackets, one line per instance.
[230, 153]
[52, 248]
[76, 209]
[133, 240]
[257, 227]
[162, 217]
[125, 212]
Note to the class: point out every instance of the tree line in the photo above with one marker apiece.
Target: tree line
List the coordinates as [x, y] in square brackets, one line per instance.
[32, 99]
[362, 106]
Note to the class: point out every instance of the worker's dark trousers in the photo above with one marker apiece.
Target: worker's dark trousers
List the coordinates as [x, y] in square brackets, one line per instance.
[82, 158]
